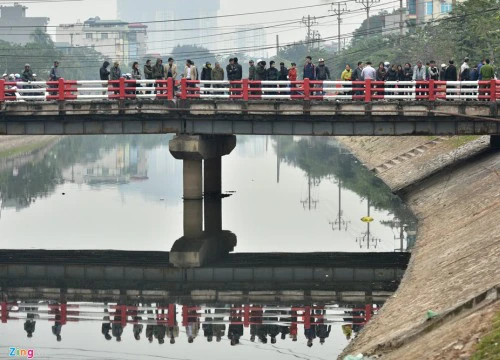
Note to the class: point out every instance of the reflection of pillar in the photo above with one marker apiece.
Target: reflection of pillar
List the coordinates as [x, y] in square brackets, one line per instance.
[192, 180]
[213, 215]
[495, 141]
[213, 176]
[193, 218]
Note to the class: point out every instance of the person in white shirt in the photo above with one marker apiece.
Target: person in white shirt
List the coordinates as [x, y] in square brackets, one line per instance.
[368, 72]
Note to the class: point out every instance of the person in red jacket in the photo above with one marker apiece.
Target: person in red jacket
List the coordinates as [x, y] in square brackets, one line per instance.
[292, 76]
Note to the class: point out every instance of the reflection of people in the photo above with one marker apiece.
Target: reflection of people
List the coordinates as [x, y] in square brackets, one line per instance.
[272, 328]
[57, 327]
[310, 333]
[347, 330]
[159, 333]
[106, 326]
[323, 331]
[117, 327]
[235, 331]
[208, 327]
[219, 329]
[137, 330]
[293, 326]
[256, 320]
[193, 326]
[29, 325]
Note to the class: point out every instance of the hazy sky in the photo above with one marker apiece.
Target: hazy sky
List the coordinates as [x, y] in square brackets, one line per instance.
[71, 11]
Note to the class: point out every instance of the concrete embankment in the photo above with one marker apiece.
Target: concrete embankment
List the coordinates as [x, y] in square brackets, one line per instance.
[16, 151]
[453, 187]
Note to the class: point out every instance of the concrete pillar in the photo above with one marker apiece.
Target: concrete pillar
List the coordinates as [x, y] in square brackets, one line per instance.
[213, 177]
[495, 141]
[193, 218]
[193, 181]
[213, 215]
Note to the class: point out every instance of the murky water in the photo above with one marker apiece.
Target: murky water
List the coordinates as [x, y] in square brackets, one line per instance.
[293, 195]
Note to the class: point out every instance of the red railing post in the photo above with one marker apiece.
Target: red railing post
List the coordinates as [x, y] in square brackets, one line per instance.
[307, 317]
[183, 88]
[64, 314]
[368, 90]
[170, 88]
[61, 89]
[246, 316]
[493, 90]
[4, 310]
[245, 89]
[123, 311]
[185, 313]
[171, 314]
[122, 88]
[432, 91]
[2, 90]
[368, 312]
[307, 89]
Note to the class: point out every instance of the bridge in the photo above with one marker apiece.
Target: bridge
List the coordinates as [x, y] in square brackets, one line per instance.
[251, 107]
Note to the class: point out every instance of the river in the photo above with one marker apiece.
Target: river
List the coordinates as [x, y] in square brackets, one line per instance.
[282, 194]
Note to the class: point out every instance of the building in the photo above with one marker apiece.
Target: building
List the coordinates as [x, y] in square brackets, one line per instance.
[392, 23]
[166, 27]
[115, 39]
[17, 27]
[251, 41]
[425, 11]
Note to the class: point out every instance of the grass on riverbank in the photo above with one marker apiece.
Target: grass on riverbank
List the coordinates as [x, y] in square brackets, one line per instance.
[489, 346]
[24, 149]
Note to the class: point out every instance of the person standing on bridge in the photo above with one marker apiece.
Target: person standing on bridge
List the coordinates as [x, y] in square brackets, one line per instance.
[251, 70]
[368, 72]
[420, 73]
[450, 75]
[170, 70]
[158, 72]
[104, 76]
[309, 71]
[487, 73]
[206, 74]
[116, 73]
[217, 74]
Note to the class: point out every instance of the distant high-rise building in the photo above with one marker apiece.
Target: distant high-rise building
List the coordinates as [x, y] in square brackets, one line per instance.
[17, 27]
[165, 30]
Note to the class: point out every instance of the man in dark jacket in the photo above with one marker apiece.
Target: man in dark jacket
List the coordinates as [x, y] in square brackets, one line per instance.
[239, 70]
[158, 70]
[231, 70]
[104, 72]
[356, 76]
[322, 71]
[206, 74]
[283, 73]
[251, 71]
[272, 73]
[148, 70]
[309, 71]
[450, 75]
[260, 71]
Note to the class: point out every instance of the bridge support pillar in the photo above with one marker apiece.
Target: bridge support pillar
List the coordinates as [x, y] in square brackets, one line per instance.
[195, 149]
[193, 218]
[495, 141]
[192, 179]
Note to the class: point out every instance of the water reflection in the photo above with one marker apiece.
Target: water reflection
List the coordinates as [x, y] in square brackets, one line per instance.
[126, 188]
[158, 322]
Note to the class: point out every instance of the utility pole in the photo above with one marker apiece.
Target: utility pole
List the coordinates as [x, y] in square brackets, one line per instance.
[309, 201]
[367, 4]
[309, 22]
[401, 19]
[316, 39]
[341, 8]
[277, 44]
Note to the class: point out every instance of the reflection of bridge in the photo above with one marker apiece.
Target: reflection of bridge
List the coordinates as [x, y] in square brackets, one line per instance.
[255, 110]
[103, 276]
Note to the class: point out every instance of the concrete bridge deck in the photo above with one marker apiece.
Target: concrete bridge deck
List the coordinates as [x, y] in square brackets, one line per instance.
[258, 117]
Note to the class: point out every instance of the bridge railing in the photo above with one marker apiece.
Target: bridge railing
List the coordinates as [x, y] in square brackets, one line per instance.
[246, 90]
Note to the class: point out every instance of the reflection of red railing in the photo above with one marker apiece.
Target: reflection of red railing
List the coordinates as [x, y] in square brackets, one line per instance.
[166, 315]
[246, 90]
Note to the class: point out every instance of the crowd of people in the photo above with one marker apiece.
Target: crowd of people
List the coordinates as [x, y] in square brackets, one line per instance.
[259, 71]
